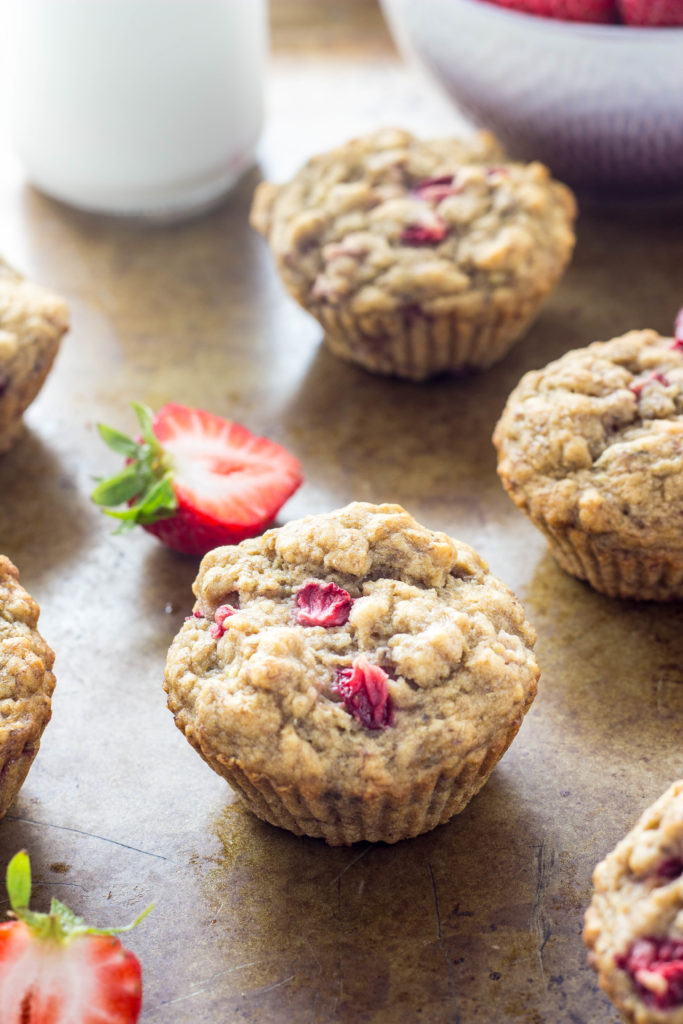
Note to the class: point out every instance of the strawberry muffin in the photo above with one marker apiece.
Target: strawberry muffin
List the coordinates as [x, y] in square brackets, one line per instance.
[591, 448]
[418, 257]
[634, 924]
[32, 323]
[353, 675]
[26, 683]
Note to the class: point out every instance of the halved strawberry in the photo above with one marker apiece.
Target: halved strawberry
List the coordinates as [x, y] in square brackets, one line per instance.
[195, 480]
[54, 969]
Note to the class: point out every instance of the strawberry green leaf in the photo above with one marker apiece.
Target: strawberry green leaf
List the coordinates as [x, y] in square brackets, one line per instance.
[118, 442]
[122, 928]
[19, 880]
[145, 418]
[122, 487]
[158, 503]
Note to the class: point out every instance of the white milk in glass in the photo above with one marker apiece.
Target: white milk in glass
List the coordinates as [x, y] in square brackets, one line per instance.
[143, 107]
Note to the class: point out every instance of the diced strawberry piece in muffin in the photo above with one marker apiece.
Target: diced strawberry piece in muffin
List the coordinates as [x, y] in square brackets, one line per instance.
[655, 966]
[637, 386]
[433, 190]
[322, 604]
[219, 617]
[678, 331]
[427, 233]
[364, 692]
[670, 869]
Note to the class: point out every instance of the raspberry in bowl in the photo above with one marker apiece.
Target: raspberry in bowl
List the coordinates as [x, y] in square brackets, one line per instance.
[597, 102]
[366, 675]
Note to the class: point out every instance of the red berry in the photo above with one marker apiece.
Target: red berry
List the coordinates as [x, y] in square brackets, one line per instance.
[678, 331]
[322, 604]
[655, 966]
[565, 10]
[197, 481]
[651, 13]
[427, 233]
[655, 375]
[433, 190]
[670, 869]
[364, 692]
[219, 616]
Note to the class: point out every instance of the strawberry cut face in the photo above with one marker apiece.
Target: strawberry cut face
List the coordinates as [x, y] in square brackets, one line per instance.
[221, 471]
[90, 980]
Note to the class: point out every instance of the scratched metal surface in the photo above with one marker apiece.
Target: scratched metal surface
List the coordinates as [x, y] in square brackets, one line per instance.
[479, 920]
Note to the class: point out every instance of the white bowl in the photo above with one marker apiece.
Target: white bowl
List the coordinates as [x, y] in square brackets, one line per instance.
[602, 105]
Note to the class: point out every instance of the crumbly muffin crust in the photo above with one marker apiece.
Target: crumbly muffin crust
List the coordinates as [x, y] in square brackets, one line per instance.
[26, 683]
[388, 232]
[32, 323]
[591, 448]
[259, 703]
[637, 909]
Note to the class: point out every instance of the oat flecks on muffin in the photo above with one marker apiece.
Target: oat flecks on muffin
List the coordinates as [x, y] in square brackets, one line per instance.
[385, 718]
[26, 683]
[591, 448]
[634, 924]
[32, 323]
[418, 256]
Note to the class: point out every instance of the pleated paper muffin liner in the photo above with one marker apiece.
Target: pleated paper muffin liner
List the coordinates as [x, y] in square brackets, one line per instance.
[416, 345]
[342, 819]
[638, 573]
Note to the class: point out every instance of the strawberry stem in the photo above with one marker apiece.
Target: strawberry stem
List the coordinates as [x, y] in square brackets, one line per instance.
[145, 485]
[61, 924]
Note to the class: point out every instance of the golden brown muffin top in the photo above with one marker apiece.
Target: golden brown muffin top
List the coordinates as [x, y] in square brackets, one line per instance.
[389, 221]
[595, 441]
[422, 620]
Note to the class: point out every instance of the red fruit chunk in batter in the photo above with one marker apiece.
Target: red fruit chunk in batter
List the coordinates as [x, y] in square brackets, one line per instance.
[639, 385]
[656, 969]
[322, 604]
[428, 233]
[670, 869]
[219, 616]
[364, 692]
[678, 331]
[433, 190]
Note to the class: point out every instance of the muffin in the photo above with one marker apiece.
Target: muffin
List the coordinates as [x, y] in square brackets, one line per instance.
[354, 675]
[26, 683]
[634, 924]
[418, 257]
[32, 323]
[591, 449]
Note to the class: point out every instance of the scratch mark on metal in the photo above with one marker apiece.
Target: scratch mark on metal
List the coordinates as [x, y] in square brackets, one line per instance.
[278, 984]
[442, 946]
[350, 864]
[206, 983]
[540, 924]
[81, 832]
[315, 1005]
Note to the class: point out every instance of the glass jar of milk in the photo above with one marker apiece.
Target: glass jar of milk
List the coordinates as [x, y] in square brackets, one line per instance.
[139, 107]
